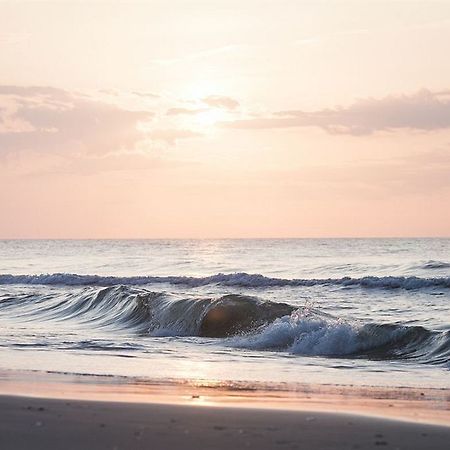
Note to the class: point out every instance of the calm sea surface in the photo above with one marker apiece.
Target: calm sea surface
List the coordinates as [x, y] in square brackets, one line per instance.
[278, 312]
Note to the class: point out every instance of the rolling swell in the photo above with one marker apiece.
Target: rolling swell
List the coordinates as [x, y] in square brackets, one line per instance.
[232, 279]
[153, 313]
[240, 321]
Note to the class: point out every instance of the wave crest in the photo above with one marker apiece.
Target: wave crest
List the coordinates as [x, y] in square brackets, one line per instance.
[233, 279]
[307, 332]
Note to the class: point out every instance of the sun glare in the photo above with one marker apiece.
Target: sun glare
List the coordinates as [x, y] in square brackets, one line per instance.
[210, 117]
[203, 88]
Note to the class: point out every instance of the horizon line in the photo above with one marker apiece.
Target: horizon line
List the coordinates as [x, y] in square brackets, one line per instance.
[212, 238]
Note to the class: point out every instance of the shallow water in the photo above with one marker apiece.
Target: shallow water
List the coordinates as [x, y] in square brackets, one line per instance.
[279, 312]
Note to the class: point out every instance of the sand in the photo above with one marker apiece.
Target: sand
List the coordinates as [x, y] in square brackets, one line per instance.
[59, 411]
[37, 423]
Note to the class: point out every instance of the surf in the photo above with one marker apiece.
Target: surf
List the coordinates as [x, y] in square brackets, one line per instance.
[239, 321]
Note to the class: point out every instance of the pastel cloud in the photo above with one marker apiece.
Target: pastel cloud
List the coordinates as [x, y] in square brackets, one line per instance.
[211, 102]
[48, 119]
[220, 101]
[172, 135]
[146, 94]
[184, 111]
[423, 111]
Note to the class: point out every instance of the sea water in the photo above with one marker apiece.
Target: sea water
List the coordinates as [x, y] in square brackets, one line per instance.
[250, 312]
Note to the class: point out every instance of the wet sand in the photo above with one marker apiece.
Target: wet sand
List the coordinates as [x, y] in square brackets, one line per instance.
[60, 411]
[38, 423]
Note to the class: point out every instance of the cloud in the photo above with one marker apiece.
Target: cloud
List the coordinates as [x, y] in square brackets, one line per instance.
[212, 101]
[219, 101]
[184, 111]
[146, 94]
[48, 119]
[171, 135]
[423, 111]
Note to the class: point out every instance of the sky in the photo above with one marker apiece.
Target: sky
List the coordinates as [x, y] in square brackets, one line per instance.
[224, 119]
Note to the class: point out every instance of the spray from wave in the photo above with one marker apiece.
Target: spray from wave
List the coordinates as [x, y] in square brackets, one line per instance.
[307, 332]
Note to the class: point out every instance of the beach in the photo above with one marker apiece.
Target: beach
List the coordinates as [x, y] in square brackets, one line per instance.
[41, 423]
[64, 411]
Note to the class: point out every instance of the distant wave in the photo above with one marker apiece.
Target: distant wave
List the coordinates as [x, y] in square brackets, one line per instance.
[233, 279]
[239, 320]
[435, 265]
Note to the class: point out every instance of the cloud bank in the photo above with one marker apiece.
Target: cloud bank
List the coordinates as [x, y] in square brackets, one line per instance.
[422, 111]
[55, 120]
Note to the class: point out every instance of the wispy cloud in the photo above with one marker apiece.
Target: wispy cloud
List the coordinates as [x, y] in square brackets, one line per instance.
[423, 111]
[146, 94]
[172, 135]
[205, 104]
[184, 111]
[220, 101]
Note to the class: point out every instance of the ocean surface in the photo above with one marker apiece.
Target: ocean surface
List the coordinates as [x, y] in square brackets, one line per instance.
[278, 313]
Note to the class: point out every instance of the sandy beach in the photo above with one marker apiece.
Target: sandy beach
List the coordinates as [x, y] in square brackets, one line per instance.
[41, 411]
[37, 423]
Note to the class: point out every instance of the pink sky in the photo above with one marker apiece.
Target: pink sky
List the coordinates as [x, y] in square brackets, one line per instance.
[224, 119]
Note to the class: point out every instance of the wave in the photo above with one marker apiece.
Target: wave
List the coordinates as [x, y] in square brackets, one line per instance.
[153, 313]
[233, 279]
[308, 333]
[435, 265]
[237, 320]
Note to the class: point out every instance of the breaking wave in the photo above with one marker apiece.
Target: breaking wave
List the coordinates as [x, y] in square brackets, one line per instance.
[232, 279]
[237, 320]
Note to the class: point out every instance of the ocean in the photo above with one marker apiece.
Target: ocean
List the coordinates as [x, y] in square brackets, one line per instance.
[247, 313]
